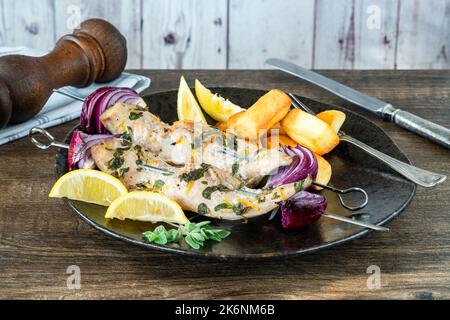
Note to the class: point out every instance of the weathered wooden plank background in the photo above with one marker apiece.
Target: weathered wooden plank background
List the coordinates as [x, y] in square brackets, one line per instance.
[199, 34]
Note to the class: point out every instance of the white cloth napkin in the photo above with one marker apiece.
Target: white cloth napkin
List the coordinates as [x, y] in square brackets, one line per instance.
[59, 108]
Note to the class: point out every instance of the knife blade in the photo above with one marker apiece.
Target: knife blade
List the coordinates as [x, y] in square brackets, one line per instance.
[385, 110]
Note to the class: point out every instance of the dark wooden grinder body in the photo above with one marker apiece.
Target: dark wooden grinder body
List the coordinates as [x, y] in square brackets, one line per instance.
[95, 52]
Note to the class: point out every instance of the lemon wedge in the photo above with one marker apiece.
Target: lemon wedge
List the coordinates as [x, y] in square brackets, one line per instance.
[146, 206]
[187, 106]
[88, 185]
[217, 107]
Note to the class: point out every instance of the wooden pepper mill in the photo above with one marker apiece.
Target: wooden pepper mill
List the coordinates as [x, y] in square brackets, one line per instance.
[95, 52]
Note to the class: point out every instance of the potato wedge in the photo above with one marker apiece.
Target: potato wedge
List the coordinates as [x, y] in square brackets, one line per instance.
[286, 141]
[275, 141]
[309, 131]
[334, 118]
[278, 127]
[228, 125]
[260, 117]
[324, 172]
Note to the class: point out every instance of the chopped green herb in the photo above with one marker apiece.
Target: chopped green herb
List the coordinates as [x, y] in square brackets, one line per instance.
[209, 190]
[239, 208]
[298, 186]
[222, 206]
[126, 141]
[117, 160]
[260, 198]
[120, 172]
[195, 174]
[159, 184]
[138, 149]
[203, 209]
[135, 115]
[140, 108]
[235, 168]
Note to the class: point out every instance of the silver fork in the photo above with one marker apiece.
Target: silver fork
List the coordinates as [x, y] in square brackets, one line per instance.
[419, 176]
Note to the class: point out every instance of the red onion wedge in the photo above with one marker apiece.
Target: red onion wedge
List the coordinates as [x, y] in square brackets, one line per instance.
[79, 156]
[304, 164]
[302, 209]
[100, 100]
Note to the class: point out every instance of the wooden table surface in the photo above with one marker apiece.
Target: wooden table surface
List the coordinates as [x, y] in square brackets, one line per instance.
[40, 238]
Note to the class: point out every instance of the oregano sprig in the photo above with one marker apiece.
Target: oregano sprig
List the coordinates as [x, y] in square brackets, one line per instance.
[194, 234]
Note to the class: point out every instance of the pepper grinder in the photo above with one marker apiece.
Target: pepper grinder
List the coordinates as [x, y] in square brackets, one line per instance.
[95, 52]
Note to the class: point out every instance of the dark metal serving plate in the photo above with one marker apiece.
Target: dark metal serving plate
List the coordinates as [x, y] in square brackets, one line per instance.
[388, 193]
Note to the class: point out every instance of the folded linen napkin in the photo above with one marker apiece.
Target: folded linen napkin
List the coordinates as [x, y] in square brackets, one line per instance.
[59, 108]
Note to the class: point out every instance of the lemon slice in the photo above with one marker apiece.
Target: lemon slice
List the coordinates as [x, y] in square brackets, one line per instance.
[187, 106]
[146, 206]
[88, 185]
[217, 107]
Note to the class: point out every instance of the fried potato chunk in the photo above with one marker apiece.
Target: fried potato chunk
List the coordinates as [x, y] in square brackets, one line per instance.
[324, 172]
[275, 141]
[277, 126]
[334, 118]
[309, 131]
[260, 117]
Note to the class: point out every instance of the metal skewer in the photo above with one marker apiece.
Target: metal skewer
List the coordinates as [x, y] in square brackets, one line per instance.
[326, 215]
[340, 192]
[52, 142]
[354, 221]
[298, 104]
[68, 94]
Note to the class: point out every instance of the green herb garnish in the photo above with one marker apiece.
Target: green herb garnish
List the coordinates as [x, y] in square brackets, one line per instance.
[209, 190]
[195, 174]
[121, 171]
[159, 184]
[275, 195]
[238, 209]
[223, 206]
[135, 115]
[260, 198]
[125, 141]
[140, 108]
[299, 186]
[203, 209]
[194, 234]
[117, 160]
[235, 168]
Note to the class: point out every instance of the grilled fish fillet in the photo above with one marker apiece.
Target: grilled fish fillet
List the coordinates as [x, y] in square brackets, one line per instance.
[204, 189]
[188, 142]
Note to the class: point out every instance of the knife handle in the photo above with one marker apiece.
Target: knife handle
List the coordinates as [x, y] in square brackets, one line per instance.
[419, 176]
[423, 127]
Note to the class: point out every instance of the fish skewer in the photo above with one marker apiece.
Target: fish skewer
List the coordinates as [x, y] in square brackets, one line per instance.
[52, 142]
[202, 189]
[180, 144]
[188, 142]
